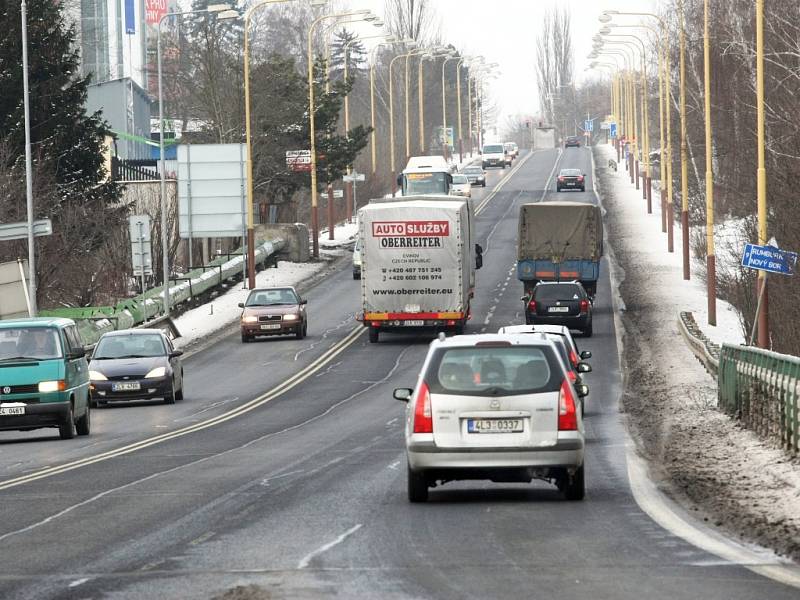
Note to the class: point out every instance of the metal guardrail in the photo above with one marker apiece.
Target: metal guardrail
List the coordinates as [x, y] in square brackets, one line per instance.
[706, 351]
[147, 309]
[761, 389]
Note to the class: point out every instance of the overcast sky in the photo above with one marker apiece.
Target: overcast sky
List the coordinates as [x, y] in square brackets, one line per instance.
[507, 36]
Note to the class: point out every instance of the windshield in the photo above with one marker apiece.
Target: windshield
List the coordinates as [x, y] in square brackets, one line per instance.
[129, 346]
[493, 371]
[460, 179]
[40, 343]
[493, 149]
[271, 297]
[424, 183]
[473, 170]
[566, 291]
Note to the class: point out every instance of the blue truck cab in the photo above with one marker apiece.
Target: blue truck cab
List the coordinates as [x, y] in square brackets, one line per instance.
[44, 376]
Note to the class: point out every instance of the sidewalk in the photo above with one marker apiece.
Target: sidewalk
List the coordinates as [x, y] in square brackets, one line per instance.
[724, 474]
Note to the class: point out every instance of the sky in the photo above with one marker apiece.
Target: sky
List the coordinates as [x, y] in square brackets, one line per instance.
[508, 36]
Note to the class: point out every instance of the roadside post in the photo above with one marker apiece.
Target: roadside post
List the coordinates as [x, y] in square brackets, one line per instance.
[767, 259]
[353, 178]
[139, 226]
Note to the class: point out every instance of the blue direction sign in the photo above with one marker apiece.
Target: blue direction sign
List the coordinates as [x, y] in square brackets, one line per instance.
[612, 129]
[769, 258]
[588, 125]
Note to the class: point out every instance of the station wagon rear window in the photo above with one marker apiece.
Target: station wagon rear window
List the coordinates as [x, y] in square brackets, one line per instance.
[494, 371]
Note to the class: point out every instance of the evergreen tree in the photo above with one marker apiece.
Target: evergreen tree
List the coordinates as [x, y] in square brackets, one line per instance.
[67, 143]
[356, 53]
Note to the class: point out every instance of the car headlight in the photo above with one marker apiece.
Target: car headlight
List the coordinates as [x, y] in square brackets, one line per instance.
[97, 376]
[157, 372]
[290, 317]
[249, 319]
[52, 386]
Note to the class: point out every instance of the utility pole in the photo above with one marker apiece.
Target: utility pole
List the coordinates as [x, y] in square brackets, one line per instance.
[28, 163]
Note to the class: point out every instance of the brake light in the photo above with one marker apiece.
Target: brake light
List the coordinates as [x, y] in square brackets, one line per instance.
[532, 305]
[572, 376]
[567, 414]
[560, 178]
[584, 305]
[573, 358]
[580, 178]
[423, 419]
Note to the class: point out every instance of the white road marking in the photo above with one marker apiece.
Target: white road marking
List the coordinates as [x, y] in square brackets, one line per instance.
[322, 549]
[394, 465]
[78, 582]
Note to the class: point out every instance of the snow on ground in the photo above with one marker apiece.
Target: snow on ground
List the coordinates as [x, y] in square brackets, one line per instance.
[651, 244]
[343, 234]
[722, 473]
[208, 318]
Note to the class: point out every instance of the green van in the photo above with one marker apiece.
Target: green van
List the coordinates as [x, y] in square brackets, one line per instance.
[44, 376]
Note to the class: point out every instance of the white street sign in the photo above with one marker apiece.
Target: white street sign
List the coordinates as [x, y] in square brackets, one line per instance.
[19, 231]
[338, 193]
[355, 177]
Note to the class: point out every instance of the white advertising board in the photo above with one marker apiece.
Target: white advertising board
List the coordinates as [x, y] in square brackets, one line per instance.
[12, 291]
[211, 190]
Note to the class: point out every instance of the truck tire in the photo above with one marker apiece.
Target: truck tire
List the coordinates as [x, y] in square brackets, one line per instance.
[373, 335]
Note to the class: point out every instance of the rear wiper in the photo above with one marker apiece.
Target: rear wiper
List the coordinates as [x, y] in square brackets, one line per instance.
[496, 389]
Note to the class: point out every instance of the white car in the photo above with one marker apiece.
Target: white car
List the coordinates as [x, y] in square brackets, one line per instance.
[496, 407]
[460, 186]
[575, 356]
[357, 259]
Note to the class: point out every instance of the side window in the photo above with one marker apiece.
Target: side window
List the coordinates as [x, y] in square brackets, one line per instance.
[73, 338]
[168, 342]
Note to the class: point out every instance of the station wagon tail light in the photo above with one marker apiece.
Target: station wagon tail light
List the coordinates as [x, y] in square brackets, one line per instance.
[560, 178]
[580, 178]
[584, 305]
[572, 376]
[52, 386]
[567, 414]
[423, 418]
[573, 358]
[532, 305]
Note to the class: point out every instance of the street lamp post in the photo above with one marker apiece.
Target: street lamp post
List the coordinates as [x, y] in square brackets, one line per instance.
[711, 263]
[373, 135]
[392, 164]
[684, 158]
[445, 148]
[311, 120]
[224, 12]
[28, 164]
[761, 174]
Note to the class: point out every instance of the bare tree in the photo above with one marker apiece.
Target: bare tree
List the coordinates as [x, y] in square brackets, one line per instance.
[413, 19]
[554, 67]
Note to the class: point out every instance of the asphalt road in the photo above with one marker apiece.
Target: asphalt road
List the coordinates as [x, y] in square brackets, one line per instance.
[303, 492]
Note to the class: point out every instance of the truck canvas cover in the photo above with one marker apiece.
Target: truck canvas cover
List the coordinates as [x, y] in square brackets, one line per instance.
[413, 257]
[546, 227]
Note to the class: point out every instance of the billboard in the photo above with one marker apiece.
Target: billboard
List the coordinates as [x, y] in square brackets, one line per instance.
[211, 190]
[154, 10]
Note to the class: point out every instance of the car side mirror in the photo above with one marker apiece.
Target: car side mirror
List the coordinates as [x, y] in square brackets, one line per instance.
[582, 390]
[403, 394]
[586, 354]
[241, 304]
[176, 353]
[303, 301]
[584, 367]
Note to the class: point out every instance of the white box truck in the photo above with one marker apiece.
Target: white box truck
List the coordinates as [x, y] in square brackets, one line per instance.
[416, 266]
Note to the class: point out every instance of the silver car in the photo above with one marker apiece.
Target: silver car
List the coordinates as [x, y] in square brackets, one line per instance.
[496, 407]
[460, 186]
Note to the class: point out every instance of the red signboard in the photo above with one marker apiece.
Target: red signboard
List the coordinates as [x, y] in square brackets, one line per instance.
[154, 10]
[411, 228]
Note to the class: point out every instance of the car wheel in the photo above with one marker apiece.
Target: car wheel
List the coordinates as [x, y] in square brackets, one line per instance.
[574, 487]
[300, 333]
[356, 275]
[83, 425]
[483, 184]
[558, 189]
[246, 338]
[588, 331]
[583, 189]
[92, 402]
[373, 335]
[179, 393]
[169, 397]
[417, 486]
[67, 427]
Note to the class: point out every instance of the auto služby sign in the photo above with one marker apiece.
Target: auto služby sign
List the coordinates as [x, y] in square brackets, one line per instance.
[770, 259]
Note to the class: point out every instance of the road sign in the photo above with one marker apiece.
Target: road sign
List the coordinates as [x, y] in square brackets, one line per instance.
[338, 193]
[19, 231]
[605, 125]
[354, 177]
[140, 245]
[298, 160]
[769, 258]
[588, 125]
[612, 128]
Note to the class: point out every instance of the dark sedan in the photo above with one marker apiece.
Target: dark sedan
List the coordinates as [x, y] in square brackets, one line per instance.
[560, 303]
[571, 179]
[135, 364]
[476, 175]
[273, 311]
[572, 141]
